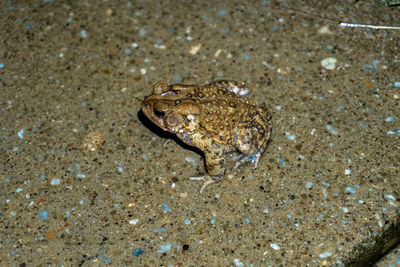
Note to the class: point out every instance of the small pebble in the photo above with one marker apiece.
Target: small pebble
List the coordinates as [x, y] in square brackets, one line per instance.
[55, 181]
[106, 261]
[43, 215]
[389, 119]
[137, 252]
[158, 230]
[238, 263]
[329, 63]
[21, 134]
[165, 208]
[80, 175]
[222, 12]
[83, 34]
[192, 160]
[274, 246]
[127, 51]
[331, 130]
[165, 248]
[390, 197]
[394, 131]
[325, 255]
[134, 221]
[120, 169]
[350, 190]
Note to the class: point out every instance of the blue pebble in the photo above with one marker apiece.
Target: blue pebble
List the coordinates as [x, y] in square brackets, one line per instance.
[1, 65]
[389, 119]
[43, 215]
[397, 84]
[331, 130]
[273, 28]
[165, 208]
[290, 137]
[390, 197]
[325, 183]
[142, 32]
[21, 134]
[127, 51]
[245, 56]
[395, 131]
[158, 230]
[164, 248]
[120, 170]
[83, 33]
[104, 258]
[325, 255]
[187, 222]
[350, 190]
[137, 252]
[282, 162]
[368, 68]
[221, 12]
[55, 181]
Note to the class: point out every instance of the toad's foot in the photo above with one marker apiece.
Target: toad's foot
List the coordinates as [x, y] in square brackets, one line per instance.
[207, 181]
[246, 158]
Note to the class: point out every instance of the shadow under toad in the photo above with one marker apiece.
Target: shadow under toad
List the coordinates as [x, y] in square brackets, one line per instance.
[164, 134]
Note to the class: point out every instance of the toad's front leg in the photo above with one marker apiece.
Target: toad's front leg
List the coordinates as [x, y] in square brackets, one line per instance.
[215, 162]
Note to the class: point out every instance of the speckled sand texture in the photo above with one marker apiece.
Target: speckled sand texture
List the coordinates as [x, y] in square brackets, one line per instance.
[86, 180]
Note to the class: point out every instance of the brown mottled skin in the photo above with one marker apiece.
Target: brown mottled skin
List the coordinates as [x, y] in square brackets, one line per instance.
[216, 118]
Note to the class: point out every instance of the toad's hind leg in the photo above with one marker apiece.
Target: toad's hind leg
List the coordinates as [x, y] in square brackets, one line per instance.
[252, 136]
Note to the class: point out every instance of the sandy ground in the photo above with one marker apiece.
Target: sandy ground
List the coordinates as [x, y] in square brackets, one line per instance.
[86, 179]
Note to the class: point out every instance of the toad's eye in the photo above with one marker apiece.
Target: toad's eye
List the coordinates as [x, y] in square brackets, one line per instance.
[158, 113]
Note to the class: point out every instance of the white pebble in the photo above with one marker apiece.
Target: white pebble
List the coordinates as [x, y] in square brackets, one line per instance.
[329, 63]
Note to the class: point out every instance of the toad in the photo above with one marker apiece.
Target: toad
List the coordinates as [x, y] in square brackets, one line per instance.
[216, 118]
